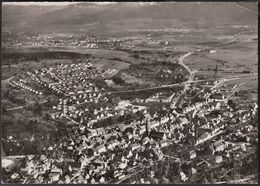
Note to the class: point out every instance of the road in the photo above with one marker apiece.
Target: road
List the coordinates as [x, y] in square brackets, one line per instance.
[146, 89]
[8, 80]
[186, 84]
[239, 181]
[191, 77]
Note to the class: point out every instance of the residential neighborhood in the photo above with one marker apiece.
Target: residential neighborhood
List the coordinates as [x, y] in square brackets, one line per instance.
[204, 129]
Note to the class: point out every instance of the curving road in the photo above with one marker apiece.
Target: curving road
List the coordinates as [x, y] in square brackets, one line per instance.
[186, 83]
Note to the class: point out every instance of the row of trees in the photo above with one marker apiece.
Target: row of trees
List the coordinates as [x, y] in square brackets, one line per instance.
[15, 58]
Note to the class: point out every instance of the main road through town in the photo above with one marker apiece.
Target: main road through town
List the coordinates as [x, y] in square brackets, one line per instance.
[186, 84]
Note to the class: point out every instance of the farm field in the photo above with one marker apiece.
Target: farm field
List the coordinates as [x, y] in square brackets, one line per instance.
[97, 52]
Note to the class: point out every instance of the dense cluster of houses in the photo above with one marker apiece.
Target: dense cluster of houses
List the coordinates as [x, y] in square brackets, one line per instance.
[76, 81]
[110, 154]
[69, 79]
[82, 113]
[75, 40]
[204, 127]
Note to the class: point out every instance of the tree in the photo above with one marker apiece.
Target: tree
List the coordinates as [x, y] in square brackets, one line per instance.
[47, 116]
[136, 55]
[37, 108]
[116, 100]
[118, 80]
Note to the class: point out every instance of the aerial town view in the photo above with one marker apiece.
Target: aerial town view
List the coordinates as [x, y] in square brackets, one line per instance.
[129, 92]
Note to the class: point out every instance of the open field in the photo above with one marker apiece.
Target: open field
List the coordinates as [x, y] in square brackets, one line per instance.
[110, 64]
[249, 82]
[242, 56]
[97, 52]
[234, 59]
